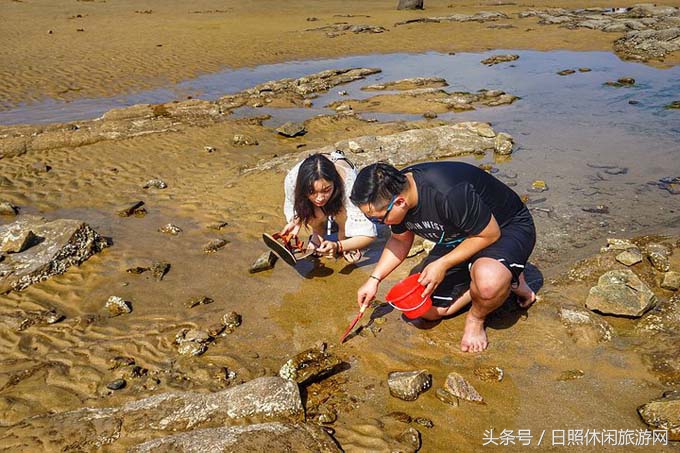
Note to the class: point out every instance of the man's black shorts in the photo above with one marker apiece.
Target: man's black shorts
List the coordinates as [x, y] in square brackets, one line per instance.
[516, 243]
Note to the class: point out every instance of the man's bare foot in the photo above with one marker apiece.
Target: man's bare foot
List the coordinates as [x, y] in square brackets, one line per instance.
[525, 296]
[474, 335]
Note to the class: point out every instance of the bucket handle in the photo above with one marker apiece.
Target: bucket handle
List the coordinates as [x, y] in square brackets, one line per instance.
[409, 309]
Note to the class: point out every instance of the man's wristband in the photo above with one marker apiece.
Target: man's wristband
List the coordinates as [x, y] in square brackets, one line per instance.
[375, 278]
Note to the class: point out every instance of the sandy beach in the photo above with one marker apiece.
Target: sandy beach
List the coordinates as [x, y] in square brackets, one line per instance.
[607, 155]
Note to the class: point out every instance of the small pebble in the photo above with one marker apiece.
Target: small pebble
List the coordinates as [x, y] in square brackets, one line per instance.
[116, 385]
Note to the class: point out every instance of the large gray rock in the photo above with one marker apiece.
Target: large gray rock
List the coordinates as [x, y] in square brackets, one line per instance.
[61, 244]
[405, 147]
[621, 293]
[663, 413]
[410, 4]
[269, 437]
[87, 429]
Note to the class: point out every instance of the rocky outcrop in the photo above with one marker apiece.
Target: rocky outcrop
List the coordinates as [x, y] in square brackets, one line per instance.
[293, 92]
[408, 84]
[651, 32]
[57, 245]
[422, 100]
[259, 437]
[620, 293]
[144, 119]
[262, 399]
[408, 146]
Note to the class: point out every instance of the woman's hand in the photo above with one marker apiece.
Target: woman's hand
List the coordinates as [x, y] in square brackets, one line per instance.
[292, 228]
[367, 292]
[432, 276]
[329, 248]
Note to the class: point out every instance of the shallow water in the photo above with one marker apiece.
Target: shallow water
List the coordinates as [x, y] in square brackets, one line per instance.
[565, 128]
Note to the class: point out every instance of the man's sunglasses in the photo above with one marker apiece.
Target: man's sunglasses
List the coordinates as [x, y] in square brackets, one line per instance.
[381, 220]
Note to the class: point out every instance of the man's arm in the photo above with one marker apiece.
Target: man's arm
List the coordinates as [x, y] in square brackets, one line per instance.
[393, 255]
[434, 273]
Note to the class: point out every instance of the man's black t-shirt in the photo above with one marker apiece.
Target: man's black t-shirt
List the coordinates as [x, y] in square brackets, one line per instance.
[456, 200]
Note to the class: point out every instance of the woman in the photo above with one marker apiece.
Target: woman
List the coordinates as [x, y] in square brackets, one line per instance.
[317, 194]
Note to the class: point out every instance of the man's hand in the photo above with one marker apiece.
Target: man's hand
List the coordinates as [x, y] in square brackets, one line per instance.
[432, 276]
[367, 292]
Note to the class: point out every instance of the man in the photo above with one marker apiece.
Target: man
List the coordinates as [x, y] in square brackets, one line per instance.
[483, 232]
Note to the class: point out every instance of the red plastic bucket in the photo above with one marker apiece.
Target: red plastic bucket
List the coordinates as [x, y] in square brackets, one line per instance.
[406, 296]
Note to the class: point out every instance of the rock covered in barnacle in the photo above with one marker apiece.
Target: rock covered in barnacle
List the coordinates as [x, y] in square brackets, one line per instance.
[408, 385]
[117, 306]
[231, 321]
[155, 183]
[308, 365]
[457, 386]
[62, 244]
[170, 229]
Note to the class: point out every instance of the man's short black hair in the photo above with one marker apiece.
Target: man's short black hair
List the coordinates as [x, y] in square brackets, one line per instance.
[377, 184]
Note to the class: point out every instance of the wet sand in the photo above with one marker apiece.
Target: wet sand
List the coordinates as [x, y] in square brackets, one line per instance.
[125, 47]
[67, 365]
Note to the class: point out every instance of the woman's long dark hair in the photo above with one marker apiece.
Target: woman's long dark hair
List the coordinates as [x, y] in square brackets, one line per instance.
[314, 168]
